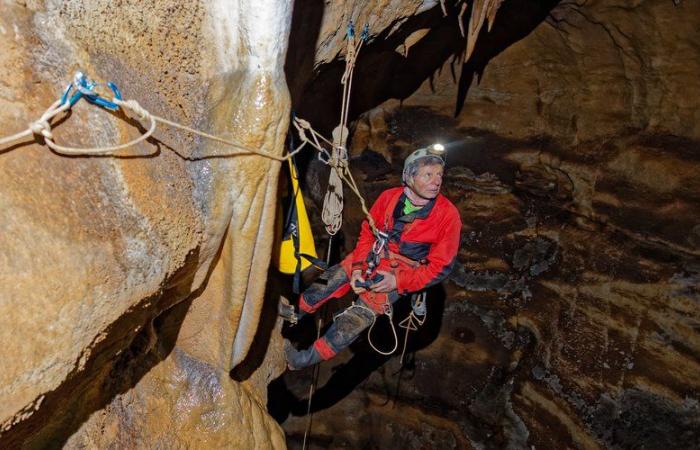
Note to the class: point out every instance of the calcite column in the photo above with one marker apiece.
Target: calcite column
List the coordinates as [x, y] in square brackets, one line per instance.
[100, 257]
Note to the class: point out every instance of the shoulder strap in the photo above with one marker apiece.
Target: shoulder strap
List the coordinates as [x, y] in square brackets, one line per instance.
[401, 219]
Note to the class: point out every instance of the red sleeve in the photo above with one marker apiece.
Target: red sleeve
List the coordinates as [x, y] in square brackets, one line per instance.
[366, 239]
[441, 258]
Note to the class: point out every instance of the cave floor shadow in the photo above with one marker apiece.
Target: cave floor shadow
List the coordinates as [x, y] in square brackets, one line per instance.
[347, 376]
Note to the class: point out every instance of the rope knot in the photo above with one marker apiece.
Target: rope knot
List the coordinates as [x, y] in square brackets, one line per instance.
[136, 108]
[338, 163]
[42, 128]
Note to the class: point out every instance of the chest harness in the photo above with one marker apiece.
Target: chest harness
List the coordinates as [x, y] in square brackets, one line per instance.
[380, 250]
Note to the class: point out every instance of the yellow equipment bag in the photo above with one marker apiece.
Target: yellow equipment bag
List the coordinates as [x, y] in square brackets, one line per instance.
[295, 251]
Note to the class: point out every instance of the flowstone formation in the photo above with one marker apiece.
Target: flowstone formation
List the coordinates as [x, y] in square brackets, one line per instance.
[572, 320]
[108, 263]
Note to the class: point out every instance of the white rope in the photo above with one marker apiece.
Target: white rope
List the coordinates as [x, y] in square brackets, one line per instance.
[333, 202]
[412, 322]
[42, 127]
[332, 213]
[388, 311]
[342, 166]
[337, 159]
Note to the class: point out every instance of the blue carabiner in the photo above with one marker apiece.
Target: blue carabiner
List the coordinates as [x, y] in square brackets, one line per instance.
[72, 100]
[81, 88]
[84, 87]
[365, 32]
[351, 30]
[103, 102]
[115, 90]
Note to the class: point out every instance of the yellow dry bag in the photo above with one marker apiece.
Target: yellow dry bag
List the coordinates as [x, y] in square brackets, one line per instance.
[295, 249]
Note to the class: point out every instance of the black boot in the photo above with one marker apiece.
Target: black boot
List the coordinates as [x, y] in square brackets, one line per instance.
[298, 359]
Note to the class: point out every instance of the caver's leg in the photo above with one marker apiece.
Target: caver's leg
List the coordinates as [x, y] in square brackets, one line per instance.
[343, 332]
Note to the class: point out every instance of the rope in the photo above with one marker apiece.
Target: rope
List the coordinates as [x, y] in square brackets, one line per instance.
[343, 170]
[388, 311]
[42, 127]
[337, 159]
[332, 214]
[412, 322]
[317, 368]
[312, 387]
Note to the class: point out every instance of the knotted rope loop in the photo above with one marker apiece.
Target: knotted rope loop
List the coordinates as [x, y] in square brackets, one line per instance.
[339, 160]
[41, 127]
[134, 107]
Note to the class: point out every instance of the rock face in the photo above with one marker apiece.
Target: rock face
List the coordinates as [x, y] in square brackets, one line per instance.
[96, 251]
[572, 321]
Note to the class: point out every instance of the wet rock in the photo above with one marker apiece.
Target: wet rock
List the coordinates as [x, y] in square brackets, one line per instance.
[95, 250]
[638, 416]
[182, 403]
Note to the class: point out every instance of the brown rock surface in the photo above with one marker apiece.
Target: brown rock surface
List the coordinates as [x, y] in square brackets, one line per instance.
[132, 284]
[96, 250]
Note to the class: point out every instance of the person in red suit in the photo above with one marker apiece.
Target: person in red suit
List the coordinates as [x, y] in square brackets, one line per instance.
[416, 249]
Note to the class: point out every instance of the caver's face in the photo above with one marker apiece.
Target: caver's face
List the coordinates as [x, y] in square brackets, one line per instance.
[427, 182]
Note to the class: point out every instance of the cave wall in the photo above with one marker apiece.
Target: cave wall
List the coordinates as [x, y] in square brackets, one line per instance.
[134, 281]
[102, 257]
[590, 70]
[572, 320]
[608, 86]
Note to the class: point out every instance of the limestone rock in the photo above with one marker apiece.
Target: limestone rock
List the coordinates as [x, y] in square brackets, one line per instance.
[182, 403]
[95, 250]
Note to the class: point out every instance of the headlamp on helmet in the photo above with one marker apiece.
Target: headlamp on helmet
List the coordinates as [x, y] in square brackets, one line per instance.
[435, 150]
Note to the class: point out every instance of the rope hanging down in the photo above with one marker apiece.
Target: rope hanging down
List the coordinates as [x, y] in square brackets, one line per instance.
[337, 159]
[340, 165]
[332, 213]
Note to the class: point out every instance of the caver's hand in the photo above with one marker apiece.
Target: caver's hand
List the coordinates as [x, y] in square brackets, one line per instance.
[357, 276]
[388, 284]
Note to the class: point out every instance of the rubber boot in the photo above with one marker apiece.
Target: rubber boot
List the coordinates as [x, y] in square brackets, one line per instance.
[299, 359]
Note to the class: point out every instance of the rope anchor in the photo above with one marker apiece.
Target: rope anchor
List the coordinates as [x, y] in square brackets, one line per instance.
[83, 87]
